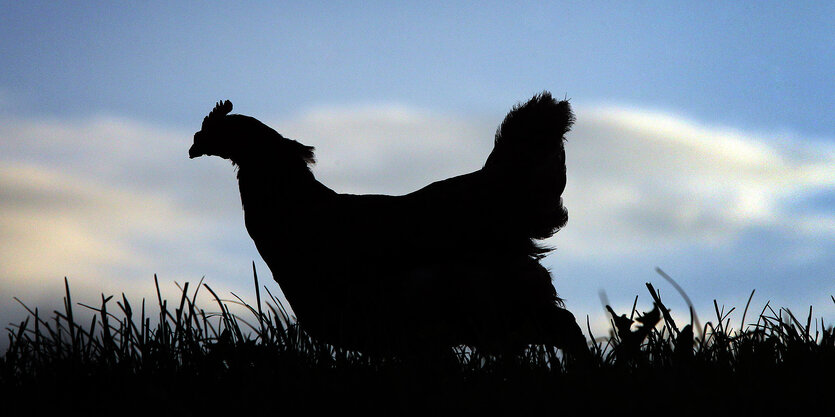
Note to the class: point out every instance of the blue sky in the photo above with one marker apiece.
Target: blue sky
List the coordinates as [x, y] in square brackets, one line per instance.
[704, 142]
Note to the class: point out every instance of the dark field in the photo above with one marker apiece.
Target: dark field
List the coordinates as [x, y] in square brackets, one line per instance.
[192, 361]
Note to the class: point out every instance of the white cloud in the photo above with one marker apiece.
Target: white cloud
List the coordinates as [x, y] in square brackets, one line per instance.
[391, 149]
[110, 201]
[638, 180]
[642, 181]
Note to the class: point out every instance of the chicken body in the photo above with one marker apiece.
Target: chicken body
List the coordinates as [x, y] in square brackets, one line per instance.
[452, 263]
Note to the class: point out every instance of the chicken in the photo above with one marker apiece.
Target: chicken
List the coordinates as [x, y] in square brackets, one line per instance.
[454, 263]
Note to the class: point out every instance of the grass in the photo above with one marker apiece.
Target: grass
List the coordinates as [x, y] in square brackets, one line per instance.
[186, 360]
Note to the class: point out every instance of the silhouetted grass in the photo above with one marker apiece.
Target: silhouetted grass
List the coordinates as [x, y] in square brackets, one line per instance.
[191, 361]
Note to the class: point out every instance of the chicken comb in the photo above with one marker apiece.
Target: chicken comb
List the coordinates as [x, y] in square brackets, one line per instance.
[222, 108]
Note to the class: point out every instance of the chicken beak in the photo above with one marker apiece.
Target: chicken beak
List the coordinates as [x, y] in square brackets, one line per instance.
[195, 150]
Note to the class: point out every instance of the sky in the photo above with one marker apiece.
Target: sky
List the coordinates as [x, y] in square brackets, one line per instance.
[704, 142]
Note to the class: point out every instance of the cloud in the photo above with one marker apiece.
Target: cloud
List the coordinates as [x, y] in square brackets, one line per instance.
[639, 181]
[392, 149]
[108, 201]
[642, 180]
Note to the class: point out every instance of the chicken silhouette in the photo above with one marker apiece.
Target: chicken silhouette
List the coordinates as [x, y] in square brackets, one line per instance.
[454, 263]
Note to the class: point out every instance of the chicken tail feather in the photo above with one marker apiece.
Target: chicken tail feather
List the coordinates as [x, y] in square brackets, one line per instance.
[528, 159]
